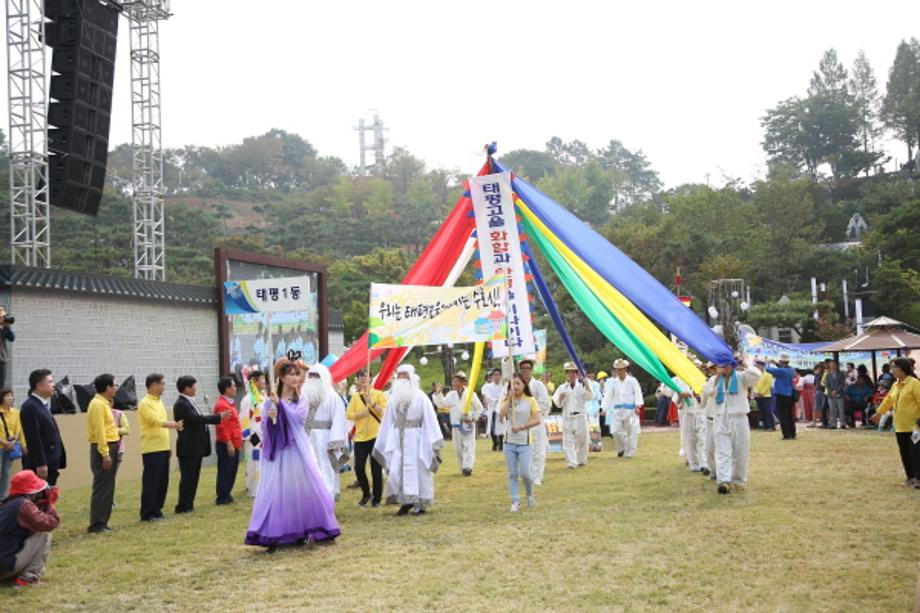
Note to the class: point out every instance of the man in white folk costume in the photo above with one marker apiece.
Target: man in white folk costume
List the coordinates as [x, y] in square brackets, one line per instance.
[729, 391]
[622, 402]
[326, 425]
[692, 424]
[462, 424]
[408, 444]
[492, 394]
[572, 396]
[539, 442]
[709, 415]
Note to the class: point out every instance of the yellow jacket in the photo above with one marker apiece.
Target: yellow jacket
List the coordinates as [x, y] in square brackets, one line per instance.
[14, 426]
[100, 425]
[764, 387]
[904, 398]
[366, 427]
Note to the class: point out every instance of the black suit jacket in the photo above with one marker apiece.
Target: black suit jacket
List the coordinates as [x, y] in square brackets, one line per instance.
[194, 440]
[43, 439]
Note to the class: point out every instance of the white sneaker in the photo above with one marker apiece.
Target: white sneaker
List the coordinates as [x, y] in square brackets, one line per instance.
[515, 507]
[537, 482]
[532, 501]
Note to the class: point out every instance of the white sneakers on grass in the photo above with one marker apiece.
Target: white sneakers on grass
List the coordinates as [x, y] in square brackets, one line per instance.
[532, 501]
[515, 506]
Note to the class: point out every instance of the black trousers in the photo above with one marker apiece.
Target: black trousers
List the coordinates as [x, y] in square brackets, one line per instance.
[910, 455]
[227, 466]
[100, 506]
[363, 451]
[189, 472]
[53, 475]
[154, 484]
[784, 408]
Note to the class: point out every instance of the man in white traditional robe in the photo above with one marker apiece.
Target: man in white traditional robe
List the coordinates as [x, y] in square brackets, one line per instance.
[692, 424]
[572, 397]
[622, 404]
[729, 391]
[709, 414]
[539, 442]
[408, 444]
[462, 423]
[492, 394]
[326, 425]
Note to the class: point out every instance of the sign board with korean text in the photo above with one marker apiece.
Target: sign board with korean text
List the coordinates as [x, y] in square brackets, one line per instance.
[500, 253]
[267, 295]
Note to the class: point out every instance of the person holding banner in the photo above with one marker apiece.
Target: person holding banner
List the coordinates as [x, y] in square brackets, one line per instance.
[622, 404]
[692, 423]
[572, 396]
[326, 425]
[492, 393]
[522, 412]
[292, 503]
[366, 409]
[408, 444]
[462, 423]
[251, 421]
[729, 391]
[708, 406]
[540, 440]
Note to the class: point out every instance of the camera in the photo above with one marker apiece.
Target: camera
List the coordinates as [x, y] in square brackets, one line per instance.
[9, 319]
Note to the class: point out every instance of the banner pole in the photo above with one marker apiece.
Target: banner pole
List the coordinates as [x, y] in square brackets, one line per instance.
[271, 361]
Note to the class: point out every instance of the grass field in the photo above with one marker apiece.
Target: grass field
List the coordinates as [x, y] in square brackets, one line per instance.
[824, 526]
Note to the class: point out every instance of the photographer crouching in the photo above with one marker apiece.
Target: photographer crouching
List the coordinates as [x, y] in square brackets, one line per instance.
[27, 517]
[6, 334]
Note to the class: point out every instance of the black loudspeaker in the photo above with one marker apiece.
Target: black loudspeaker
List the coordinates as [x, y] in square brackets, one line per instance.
[83, 36]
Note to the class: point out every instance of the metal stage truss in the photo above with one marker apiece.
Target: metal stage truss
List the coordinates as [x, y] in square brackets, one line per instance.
[30, 224]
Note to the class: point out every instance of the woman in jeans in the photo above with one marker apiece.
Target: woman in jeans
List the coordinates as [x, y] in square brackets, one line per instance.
[522, 413]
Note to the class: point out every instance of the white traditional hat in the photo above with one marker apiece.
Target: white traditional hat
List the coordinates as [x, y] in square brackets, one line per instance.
[621, 363]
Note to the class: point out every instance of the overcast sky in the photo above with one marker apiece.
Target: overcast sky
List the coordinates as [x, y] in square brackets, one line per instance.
[686, 82]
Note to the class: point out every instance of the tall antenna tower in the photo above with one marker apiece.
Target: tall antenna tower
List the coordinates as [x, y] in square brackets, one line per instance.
[144, 17]
[376, 146]
[30, 221]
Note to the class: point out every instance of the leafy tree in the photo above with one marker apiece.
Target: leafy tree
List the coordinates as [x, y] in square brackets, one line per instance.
[901, 106]
[585, 190]
[529, 164]
[796, 314]
[864, 92]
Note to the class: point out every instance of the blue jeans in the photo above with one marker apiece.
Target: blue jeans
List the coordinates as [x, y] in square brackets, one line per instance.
[6, 467]
[517, 457]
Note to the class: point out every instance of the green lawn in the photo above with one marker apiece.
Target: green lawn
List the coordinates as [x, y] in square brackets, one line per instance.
[824, 525]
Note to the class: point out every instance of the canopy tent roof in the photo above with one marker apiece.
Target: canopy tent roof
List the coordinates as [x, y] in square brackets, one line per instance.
[881, 334]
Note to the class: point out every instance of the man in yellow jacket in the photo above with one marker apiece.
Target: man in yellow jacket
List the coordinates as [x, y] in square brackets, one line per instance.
[904, 398]
[102, 434]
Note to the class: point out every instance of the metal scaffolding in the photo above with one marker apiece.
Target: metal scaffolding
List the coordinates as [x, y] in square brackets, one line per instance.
[376, 147]
[30, 223]
[146, 146]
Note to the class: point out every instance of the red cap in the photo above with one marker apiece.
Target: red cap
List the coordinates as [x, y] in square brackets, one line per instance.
[26, 482]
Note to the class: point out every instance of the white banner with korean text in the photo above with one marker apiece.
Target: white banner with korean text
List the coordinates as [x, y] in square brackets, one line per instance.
[500, 254]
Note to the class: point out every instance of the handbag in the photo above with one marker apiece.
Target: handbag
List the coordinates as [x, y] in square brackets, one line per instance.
[16, 452]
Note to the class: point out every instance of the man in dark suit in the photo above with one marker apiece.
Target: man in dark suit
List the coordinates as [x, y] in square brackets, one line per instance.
[46, 456]
[194, 442]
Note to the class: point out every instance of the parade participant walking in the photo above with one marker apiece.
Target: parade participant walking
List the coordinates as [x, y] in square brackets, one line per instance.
[326, 425]
[728, 391]
[491, 394]
[292, 502]
[463, 424]
[572, 396]
[365, 409]
[904, 398]
[251, 422]
[408, 444]
[784, 394]
[522, 413]
[623, 403]
[692, 424]
[709, 414]
[593, 406]
[539, 443]
[154, 428]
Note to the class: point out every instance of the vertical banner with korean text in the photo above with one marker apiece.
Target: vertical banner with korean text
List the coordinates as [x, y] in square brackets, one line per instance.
[500, 253]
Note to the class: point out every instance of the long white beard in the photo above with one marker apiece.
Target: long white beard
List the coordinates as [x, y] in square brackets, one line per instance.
[402, 391]
[315, 392]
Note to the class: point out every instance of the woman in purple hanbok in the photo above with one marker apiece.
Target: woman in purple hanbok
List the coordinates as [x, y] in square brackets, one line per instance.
[292, 503]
